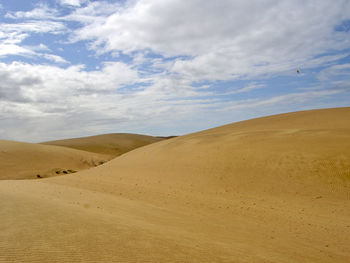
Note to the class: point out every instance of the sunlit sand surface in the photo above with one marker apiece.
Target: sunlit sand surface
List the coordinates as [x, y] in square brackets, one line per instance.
[273, 189]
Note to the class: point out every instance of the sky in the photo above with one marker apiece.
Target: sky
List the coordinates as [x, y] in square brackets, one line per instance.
[71, 68]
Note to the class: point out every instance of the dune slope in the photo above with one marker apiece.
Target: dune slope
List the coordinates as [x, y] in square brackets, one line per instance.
[113, 144]
[273, 189]
[19, 160]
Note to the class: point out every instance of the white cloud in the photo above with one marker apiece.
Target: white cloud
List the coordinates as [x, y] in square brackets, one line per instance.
[33, 26]
[40, 47]
[75, 3]
[13, 34]
[178, 50]
[248, 88]
[49, 97]
[336, 76]
[51, 102]
[226, 39]
[291, 98]
[93, 12]
[335, 71]
[55, 58]
[40, 12]
[11, 49]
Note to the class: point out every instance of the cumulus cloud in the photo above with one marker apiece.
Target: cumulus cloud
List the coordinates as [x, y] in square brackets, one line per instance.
[226, 39]
[63, 83]
[49, 96]
[48, 92]
[11, 49]
[51, 102]
[12, 86]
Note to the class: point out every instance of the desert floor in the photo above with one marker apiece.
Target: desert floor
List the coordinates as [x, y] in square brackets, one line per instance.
[272, 189]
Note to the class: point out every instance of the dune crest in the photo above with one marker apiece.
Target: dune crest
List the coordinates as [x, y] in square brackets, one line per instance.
[113, 145]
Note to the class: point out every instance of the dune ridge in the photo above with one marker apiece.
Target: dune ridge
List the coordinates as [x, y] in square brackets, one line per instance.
[272, 189]
[113, 144]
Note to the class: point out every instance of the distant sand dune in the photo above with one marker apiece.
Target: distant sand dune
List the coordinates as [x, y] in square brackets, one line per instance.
[32, 161]
[113, 144]
[19, 160]
[273, 189]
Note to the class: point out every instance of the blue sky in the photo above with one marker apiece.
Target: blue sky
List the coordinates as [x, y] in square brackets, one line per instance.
[74, 68]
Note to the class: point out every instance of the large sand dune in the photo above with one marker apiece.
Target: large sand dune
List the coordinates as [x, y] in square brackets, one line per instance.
[19, 160]
[113, 144]
[273, 189]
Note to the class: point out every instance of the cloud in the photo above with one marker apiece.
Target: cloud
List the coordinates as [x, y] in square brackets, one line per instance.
[30, 91]
[220, 39]
[11, 49]
[208, 41]
[40, 12]
[40, 47]
[75, 3]
[336, 76]
[335, 71]
[50, 102]
[159, 65]
[55, 58]
[62, 84]
[93, 12]
[49, 96]
[33, 26]
[13, 34]
[248, 88]
[291, 98]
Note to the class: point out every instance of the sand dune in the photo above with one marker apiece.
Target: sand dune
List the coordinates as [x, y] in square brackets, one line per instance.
[19, 160]
[113, 144]
[273, 189]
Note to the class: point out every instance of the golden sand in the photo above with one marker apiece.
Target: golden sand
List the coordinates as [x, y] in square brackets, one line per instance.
[19, 160]
[273, 189]
[114, 144]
